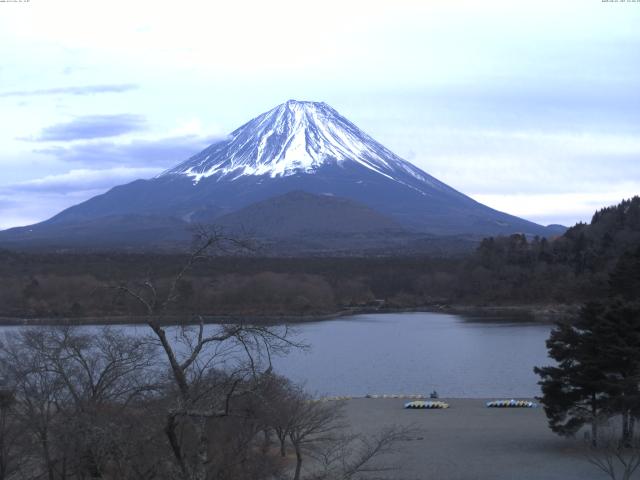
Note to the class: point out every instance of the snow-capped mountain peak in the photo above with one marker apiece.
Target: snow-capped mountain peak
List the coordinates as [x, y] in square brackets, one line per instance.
[300, 170]
[296, 137]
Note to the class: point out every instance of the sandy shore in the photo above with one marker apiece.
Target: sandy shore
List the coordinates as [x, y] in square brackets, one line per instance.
[471, 442]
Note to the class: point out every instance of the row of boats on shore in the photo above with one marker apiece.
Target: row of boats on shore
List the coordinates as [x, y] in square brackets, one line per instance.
[437, 404]
[420, 402]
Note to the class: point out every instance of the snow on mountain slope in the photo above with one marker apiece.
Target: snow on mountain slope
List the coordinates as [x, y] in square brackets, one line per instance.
[299, 137]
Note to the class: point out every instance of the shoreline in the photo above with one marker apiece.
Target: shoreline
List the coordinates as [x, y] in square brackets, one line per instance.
[426, 397]
[543, 313]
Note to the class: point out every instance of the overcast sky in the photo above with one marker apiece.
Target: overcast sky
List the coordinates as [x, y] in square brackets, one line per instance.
[530, 107]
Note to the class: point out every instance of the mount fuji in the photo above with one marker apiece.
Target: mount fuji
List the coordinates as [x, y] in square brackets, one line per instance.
[300, 170]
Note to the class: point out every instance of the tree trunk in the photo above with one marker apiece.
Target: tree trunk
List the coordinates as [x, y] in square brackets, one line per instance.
[267, 440]
[4, 455]
[282, 437]
[47, 455]
[63, 468]
[170, 431]
[625, 428]
[594, 421]
[203, 449]
[594, 434]
[296, 475]
[178, 372]
[91, 464]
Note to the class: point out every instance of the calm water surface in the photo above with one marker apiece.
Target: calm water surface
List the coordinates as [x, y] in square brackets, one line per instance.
[417, 353]
[408, 353]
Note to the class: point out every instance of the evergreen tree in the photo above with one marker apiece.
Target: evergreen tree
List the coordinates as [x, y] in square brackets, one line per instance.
[574, 392]
[624, 281]
[598, 369]
[619, 329]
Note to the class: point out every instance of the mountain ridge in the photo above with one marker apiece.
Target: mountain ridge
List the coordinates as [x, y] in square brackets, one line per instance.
[296, 146]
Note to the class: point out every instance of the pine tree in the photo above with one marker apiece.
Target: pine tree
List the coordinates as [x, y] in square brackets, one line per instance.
[619, 328]
[598, 369]
[574, 392]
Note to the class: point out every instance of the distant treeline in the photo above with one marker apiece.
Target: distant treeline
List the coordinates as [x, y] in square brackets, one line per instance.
[502, 271]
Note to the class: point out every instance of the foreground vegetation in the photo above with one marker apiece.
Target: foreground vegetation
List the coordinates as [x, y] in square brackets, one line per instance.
[106, 405]
[183, 402]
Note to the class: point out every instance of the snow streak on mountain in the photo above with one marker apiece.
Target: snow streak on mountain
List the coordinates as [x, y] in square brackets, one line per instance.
[298, 137]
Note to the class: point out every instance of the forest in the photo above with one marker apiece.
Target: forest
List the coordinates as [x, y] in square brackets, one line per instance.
[513, 270]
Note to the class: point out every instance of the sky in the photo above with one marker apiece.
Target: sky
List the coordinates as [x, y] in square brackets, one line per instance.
[532, 108]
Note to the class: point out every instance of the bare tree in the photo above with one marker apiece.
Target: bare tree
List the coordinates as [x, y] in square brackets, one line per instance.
[193, 351]
[351, 456]
[618, 458]
[39, 395]
[318, 433]
[71, 389]
[280, 399]
[312, 423]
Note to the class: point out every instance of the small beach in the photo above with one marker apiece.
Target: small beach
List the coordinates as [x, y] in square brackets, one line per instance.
[469, 441]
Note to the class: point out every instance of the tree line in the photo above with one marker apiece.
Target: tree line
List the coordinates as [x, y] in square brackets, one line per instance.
[509, 270]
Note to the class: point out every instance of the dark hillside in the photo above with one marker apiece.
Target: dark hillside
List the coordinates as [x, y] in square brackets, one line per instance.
[571, 267]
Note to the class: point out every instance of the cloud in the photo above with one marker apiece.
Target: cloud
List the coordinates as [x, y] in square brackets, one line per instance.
[19, 208]
[33, 201]
[493, 161]
[92, 126]
[560, 208]
[77, 90]
[84, 179]
[6, 203]
[163, 152]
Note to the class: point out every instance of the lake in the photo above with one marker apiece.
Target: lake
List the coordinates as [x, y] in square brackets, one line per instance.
[404, 353]
[414, 353]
